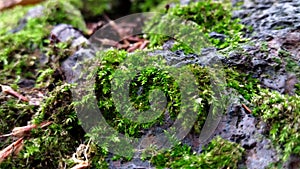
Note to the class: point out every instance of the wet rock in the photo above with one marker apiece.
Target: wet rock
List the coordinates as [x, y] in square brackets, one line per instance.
[179, 58]
[135, 163]
[267, 66]
[293, 162]
[277, 83]
[290, 83]
[26, 83]
[72, 66]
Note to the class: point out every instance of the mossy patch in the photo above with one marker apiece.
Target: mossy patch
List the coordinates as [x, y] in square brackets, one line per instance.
[219, 153]
[143, 83]
[210, 16]
[245, 85]
[281, 112]
[21, 58]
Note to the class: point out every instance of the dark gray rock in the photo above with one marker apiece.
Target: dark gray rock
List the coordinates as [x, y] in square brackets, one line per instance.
[243, 128]
[67, 33]
[219, 36]
[73, 67]
[269, 18]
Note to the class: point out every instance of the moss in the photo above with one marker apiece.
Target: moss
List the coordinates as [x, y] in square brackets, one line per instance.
[245, 85]
[144, 5]
[22, 57]
[210, 16]
[148, 79]
[48, 147]
[219, 153]
[281, 112]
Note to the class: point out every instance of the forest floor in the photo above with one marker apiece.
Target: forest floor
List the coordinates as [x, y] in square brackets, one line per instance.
[107, 84]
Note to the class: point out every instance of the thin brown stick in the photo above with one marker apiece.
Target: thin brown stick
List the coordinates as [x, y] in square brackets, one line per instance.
[248, 110]
[13, 148]
[10, 91]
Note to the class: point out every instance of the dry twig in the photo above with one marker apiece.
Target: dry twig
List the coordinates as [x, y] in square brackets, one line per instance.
[9, 90]
[13, 149]
[248, 110]
[25, 130]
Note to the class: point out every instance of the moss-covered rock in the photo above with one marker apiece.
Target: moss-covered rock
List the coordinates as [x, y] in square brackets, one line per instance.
[143, 83]
[213, 20]
[20, 51]
[281, 112]
[219, 154]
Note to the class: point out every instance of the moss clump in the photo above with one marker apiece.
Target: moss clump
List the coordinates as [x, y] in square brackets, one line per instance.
[282, 114]
[219, 153]
[50, 146]
[142, 84]
[19, 52]
[245, 85]
[210, 16]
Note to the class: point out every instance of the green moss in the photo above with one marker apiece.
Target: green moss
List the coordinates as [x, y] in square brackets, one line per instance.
[19, 52]
[149, 79]
[59, 11]
[210, 16]
[218, 154]
[282, 114]
[245, 85]
[144, 5]
[10, 18]
[51, 146]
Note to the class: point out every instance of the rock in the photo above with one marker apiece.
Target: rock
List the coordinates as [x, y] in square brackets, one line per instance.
[264, 66]
[219, 36]
[72, 67]
[32, 13]
[269, 18]
[179, 58]
[238, 126]
[26, 83]
[65, 33]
